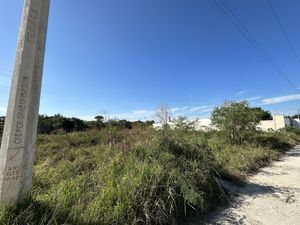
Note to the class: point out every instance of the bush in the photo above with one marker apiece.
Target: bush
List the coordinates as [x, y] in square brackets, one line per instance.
[157, 179]
[136, 176]
[236, 121]
[294, 130]
[236, 162]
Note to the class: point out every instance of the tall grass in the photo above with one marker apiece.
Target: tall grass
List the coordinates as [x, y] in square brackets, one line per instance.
[138, 176]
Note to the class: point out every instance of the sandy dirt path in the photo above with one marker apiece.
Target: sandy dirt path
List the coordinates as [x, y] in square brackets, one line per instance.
[271, 197]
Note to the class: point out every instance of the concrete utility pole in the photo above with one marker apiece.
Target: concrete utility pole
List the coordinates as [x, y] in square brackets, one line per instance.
[20, 129]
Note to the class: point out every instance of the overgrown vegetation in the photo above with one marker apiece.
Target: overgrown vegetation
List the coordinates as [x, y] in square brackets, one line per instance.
[237, 121]
[138, 175]
[60, 124]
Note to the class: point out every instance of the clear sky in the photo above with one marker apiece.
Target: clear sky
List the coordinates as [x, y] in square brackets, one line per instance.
[126, 57]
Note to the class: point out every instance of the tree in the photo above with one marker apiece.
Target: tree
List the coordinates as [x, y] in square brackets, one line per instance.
[125, 124]
[45, 125]
[79, 125]
[149, 123]
[142, 124]
[184, 124]
[52, 124]
[263, 114]
[120, 124]
[163, 114]
[296, 116]
[99, 122]
[236, 121]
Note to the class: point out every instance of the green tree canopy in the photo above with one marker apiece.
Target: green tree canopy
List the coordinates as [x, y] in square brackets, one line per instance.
[296, 116]
[263, 114]
[236, 121]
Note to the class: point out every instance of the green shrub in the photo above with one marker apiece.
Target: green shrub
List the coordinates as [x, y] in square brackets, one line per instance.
[235, 162]
[154, 181]
[136, 176]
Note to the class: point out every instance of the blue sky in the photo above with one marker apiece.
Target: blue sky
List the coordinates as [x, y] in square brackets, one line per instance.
[126, 57]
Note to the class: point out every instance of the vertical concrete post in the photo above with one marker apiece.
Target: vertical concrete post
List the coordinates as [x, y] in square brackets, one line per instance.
[20, 129]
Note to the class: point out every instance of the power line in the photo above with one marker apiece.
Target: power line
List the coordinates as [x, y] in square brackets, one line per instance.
[244, 31]
[283, 31]
[250, 38]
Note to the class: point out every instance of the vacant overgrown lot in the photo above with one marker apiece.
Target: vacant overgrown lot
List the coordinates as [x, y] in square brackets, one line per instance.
[137, 176]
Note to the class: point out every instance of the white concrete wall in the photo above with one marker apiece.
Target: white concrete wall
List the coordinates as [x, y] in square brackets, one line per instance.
[278, 122]
[287, 122]
[266, 125]
[203, 124]
[200, 124]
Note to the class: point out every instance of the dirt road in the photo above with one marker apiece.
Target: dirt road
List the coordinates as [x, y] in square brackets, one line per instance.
[271, 197]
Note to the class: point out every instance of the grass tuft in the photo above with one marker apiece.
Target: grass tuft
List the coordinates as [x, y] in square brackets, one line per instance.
[137, 176]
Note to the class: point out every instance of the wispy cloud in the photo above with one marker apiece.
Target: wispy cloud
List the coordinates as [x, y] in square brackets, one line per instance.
[141, 112]
[179, 109]
[204, 108]
[150, 114]
[255, 98]
[242, 92]
[280, 99]
[195, 111]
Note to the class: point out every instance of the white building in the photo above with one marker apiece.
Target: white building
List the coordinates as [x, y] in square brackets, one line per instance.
[199, 124]
[278, 122]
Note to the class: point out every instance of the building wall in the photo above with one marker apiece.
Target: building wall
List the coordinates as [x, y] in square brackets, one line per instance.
[278, 122]
[203, 124]
[200, 124]
[266, 125]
